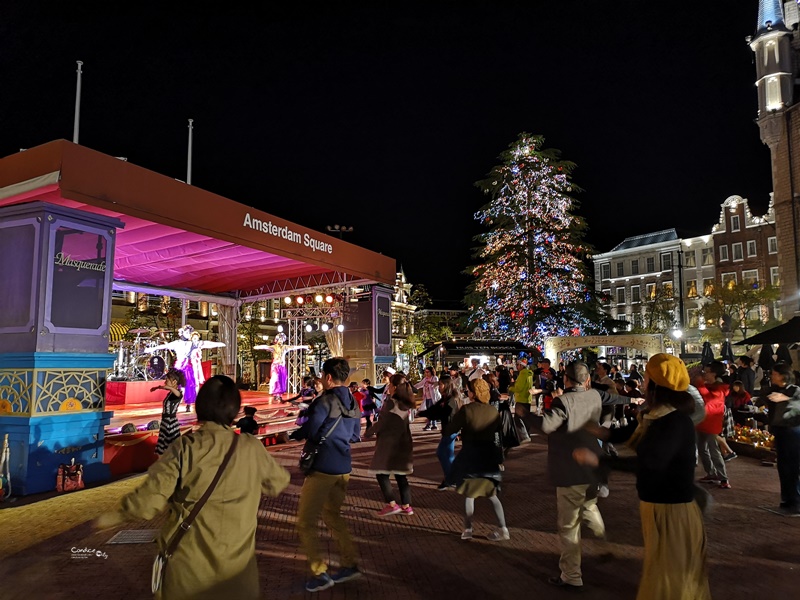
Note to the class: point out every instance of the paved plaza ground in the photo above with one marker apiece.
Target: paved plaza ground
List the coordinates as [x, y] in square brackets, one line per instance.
[753, 553]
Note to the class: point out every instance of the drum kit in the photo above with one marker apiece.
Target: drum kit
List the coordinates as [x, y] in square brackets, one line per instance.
[135, 363]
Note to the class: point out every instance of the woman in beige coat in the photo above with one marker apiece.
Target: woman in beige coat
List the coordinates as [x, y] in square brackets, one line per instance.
[216, 558]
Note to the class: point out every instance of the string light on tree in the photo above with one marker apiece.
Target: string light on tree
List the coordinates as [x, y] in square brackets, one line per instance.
[531, 282]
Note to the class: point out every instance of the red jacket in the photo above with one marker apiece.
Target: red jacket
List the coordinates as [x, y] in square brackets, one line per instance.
[714, 396]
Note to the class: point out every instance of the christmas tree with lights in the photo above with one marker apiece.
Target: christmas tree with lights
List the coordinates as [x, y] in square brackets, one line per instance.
[531, 282]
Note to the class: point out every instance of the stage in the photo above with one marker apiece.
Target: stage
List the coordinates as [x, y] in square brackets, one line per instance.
[135, 452]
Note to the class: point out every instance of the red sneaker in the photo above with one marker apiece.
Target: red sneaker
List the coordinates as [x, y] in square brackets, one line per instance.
[390, 509]
[724, 485]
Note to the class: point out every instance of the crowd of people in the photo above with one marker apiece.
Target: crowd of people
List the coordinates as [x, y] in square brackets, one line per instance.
[666, 419]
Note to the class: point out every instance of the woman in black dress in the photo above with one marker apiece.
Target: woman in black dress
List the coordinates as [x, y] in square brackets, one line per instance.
[170, 430]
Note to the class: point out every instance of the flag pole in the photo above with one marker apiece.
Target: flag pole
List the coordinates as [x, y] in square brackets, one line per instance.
[189, 155]
[77, 125]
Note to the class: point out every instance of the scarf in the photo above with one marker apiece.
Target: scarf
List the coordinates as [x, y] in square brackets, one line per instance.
[662, 410]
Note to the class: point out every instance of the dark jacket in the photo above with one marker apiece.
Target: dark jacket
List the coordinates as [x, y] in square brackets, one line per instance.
[666, 460]
[781, 414]
[748, 378]
[442, 411]
[247, 424]
[334, 455]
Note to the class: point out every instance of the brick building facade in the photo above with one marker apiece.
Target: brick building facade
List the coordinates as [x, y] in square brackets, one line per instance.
[776, 45]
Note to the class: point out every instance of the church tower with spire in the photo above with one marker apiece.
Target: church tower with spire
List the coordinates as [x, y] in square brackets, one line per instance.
[776, 45]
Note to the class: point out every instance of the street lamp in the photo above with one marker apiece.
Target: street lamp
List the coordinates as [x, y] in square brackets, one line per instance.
[339, 229]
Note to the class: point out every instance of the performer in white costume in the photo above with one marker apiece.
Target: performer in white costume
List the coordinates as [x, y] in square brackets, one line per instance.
[277, 377]
[189, 355]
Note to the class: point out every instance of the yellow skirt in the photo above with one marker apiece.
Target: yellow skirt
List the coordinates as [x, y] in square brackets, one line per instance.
[674, 553]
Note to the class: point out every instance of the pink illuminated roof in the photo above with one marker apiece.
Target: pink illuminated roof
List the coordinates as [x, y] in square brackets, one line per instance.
[177, 236]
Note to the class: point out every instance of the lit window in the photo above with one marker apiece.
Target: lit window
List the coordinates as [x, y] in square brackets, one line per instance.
[692, 319]
[651, 291]
[668, 289]
[708, 286]
[774, 276]
[707, 256]
[729, 280]
[750, 277]
[691, 288]
[773, 94]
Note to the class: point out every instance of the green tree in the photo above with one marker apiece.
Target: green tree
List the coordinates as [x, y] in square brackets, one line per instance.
[731, 305]
[658, 311]
[531, 282]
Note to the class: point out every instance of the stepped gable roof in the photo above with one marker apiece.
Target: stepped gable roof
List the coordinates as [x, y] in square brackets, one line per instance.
[648, 239]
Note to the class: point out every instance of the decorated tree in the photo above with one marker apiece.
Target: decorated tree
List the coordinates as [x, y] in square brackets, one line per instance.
[531, 282]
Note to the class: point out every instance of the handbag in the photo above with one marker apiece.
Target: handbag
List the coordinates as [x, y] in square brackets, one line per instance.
[160, 562]
[508, 431]
[311, 449]
[69, 477]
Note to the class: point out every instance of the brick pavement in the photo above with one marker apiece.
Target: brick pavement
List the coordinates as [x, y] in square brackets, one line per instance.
[752, 553]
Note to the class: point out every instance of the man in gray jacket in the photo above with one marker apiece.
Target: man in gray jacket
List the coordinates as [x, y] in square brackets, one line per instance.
[574, 476]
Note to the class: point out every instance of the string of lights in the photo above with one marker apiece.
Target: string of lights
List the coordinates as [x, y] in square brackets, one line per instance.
[531, 282]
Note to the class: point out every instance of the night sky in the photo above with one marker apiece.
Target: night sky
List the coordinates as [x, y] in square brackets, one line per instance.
[382, 115]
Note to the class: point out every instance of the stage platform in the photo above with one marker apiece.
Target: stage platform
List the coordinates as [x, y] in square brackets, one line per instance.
[273, 415]
[135, 452]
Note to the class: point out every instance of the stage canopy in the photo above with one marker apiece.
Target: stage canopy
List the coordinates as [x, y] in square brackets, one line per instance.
[182, 238]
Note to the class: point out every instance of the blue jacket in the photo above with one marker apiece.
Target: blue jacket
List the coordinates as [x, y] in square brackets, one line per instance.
[334, 455]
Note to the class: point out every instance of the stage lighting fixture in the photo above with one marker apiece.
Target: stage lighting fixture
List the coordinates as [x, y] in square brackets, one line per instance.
[318, 298]
[309, 328]
[287, 300]
[329, 299]
[280, 328]
[300, 300]
[324, 327]
[340, 328]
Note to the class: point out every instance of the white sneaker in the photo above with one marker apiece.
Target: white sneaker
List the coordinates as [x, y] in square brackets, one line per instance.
[499, 534]
[603, 491]
[467, 534]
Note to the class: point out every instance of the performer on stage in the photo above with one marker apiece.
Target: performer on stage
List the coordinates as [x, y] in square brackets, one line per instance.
[277, 377]
[189, 354]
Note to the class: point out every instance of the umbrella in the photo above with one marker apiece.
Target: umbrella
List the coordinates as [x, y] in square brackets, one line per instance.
[707, 356]
[727, 352]
[788, 333]
[783, 354]
[765, 360]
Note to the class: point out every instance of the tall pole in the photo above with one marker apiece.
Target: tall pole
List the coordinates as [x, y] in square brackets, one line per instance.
[680, 301]
[77, 125]
[189, 156]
